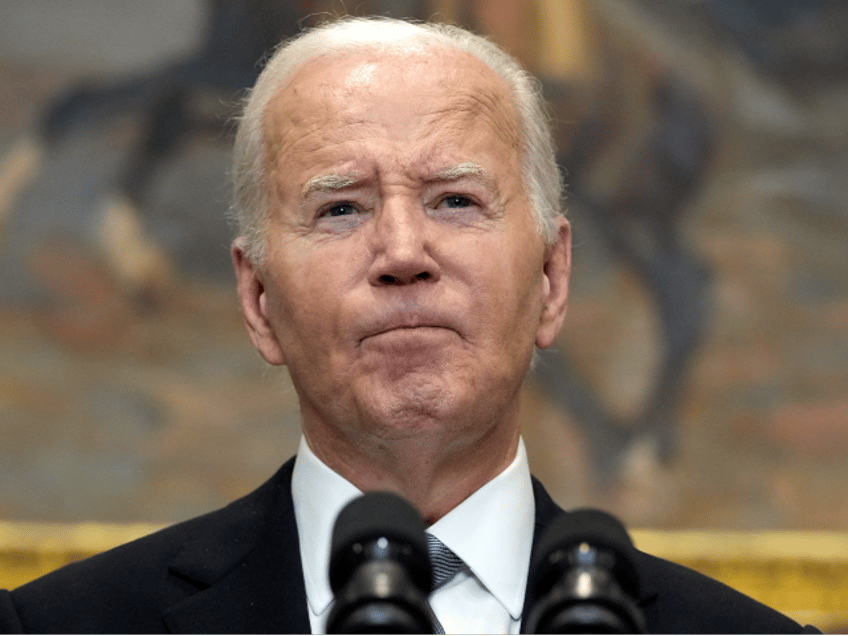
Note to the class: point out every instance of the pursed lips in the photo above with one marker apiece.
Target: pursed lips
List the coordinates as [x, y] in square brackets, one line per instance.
[393, 321]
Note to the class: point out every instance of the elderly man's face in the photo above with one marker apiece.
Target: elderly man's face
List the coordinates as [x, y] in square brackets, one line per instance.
[405, 283]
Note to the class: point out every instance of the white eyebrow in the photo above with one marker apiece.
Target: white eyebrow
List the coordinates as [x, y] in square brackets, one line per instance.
[459, 171]
[334, 182]
[328, 182]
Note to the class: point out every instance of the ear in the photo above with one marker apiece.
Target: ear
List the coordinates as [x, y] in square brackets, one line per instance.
[252, 295]
[557, 271]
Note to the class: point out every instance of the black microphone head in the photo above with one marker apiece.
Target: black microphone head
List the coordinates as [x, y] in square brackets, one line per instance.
[381, 525]
[595, 528]
[584, 578]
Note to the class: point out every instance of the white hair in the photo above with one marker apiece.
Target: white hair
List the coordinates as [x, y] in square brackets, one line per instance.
[541, 176]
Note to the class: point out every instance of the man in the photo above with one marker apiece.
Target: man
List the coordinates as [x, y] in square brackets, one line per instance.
[401, 251]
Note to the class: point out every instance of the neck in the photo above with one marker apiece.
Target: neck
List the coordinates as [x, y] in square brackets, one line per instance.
[435, 474]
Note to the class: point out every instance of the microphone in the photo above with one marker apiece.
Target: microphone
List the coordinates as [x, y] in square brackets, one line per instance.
[379, 569]
[585, 581]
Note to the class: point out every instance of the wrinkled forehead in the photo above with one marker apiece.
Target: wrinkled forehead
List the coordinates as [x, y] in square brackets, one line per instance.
[438, 81]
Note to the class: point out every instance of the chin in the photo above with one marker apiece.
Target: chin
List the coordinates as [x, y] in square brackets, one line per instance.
[434, 398]
[424, 414]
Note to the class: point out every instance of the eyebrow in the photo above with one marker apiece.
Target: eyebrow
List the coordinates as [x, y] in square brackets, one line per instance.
[459, 171]
[336, 182]
[328, 183]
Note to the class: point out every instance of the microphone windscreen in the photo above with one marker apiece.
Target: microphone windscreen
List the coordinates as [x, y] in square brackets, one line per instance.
[373, 516]
[599, 530]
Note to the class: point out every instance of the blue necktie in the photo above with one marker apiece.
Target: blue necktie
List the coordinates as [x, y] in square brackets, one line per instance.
[445, 565]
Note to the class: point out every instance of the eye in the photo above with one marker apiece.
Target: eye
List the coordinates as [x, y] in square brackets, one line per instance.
[455, 201]
[341, 217]
[339, 209]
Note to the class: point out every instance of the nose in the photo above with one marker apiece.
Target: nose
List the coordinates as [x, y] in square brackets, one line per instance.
[402, 244]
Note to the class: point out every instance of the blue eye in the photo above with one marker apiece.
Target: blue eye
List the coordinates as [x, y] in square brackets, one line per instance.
[340, 209]
[456, 201]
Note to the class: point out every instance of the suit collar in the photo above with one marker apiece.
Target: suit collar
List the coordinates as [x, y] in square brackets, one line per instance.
[546, 511]
[244, 568]
[244, 574]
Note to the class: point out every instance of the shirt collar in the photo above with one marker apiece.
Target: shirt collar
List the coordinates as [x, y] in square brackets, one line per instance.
[319, 494]
[496, 519]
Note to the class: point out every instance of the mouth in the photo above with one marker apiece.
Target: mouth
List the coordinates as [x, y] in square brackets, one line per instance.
[408, 346]
[410, 331]
[407, 323]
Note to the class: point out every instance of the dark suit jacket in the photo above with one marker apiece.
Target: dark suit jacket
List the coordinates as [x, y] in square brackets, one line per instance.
[238, 570]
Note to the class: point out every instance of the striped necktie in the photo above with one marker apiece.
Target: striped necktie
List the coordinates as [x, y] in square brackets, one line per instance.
[445, 565]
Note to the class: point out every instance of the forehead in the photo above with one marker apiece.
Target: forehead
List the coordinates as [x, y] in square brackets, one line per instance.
[435, 93]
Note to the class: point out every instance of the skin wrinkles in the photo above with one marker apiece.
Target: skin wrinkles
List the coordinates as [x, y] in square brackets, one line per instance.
[466, 180]
[336, 182]
[464, 107]
[488, 106]
[408, 332]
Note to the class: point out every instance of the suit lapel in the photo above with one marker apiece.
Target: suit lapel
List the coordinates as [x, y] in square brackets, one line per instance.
[244, 574]
[546, 511]
[245, 570]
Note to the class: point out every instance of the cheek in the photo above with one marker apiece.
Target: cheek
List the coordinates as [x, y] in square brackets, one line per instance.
[289, 300]
[307, 298]
[508, 296]
[524, 299]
